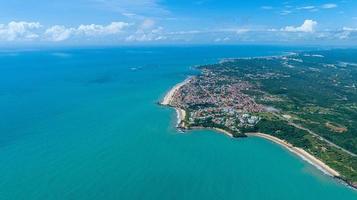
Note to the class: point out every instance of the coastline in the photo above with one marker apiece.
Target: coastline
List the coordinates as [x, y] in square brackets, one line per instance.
[181, 114]
[301, 153]
[169, 95]
[211, 128]
[317, 163]
[296, 150]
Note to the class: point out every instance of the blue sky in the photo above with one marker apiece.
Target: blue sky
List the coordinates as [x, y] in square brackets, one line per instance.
[178, 21]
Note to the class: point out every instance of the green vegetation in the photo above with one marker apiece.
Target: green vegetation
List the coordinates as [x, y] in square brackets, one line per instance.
[315, 91]
[208, 123]
[317, 87]
[335, 158]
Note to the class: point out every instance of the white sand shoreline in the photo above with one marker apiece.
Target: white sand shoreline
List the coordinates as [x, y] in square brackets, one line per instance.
[169, 96]
[214, 129]
[181, 114]
[301, 153]
[297, 151]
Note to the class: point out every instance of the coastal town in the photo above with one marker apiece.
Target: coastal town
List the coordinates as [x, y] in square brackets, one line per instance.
[266, 97]
[214, 101]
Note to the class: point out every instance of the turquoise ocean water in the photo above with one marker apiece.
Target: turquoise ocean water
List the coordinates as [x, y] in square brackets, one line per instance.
[84, 124]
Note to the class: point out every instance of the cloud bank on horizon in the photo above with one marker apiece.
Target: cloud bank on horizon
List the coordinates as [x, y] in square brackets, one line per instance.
[185, 21]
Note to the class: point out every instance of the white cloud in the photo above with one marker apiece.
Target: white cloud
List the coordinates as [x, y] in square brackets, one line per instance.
[349, 29]
[285, 12]
[190, 32]
[58, 33]
[21, 30]
[94, 29]
[343, 35]
[225, 39]
[266, 7]
[147, 24]
[242, 30]
[147, 31]
[129, 15]
[308, 26]
[329, 6]
[142, 35]
[306, 8]
[139, 8]
[288, 9]
[346, 33]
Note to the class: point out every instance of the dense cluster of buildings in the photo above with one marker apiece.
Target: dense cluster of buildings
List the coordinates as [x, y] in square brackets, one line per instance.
[212, 100]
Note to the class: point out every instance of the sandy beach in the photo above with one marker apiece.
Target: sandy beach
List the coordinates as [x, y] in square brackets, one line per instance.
[168, 97]
[298, 151]
[301, 153]
[181, 114]
[214, 129]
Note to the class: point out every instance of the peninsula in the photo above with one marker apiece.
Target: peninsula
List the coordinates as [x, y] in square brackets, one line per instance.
[304, 101]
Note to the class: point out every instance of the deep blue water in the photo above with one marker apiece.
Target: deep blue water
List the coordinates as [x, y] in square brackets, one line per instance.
[84, 124]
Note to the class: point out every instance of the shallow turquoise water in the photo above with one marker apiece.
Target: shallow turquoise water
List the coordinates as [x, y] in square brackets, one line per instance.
[84, 124]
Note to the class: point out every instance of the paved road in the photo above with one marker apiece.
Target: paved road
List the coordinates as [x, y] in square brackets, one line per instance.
[316, 135]
[302, 128]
